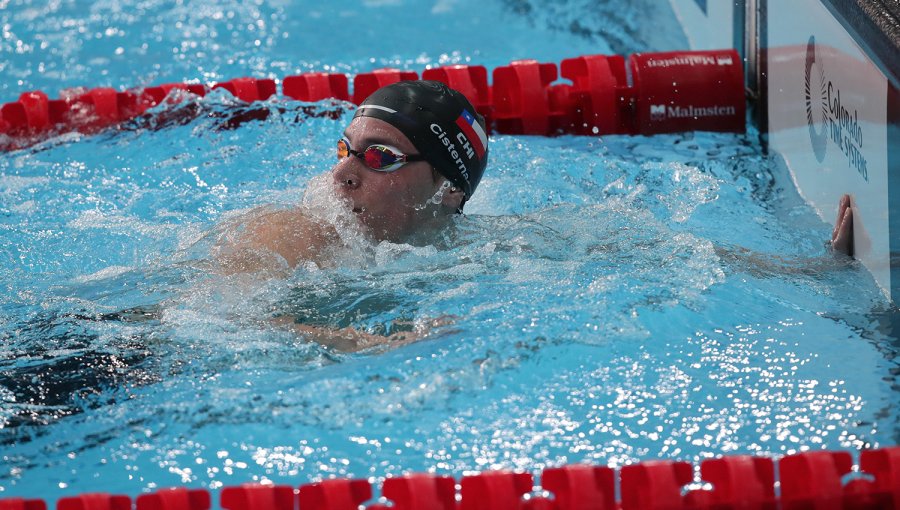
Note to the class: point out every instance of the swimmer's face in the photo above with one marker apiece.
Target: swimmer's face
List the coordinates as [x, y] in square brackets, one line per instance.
[389, 204]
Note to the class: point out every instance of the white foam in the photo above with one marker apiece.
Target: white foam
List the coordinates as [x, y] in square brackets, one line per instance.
[10, 184]
[24, 207]
[387, 252]
[321, 201]
[107, 272]
[118, 223]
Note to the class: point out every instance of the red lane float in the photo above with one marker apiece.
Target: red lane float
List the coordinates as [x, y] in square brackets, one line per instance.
[655, 485]
[22, 504]
[152, 96]
[335, 494]
[82, 110]
[600, 99]
[419, 492]
[257, 497]
[96, 109]
[884, 465]
[249, 89]
[669, 92]
[522, 101]
[700, 90]
[808, 481]
[740, 482]
[494, 490]
[27, 116]
[813, 480]
[573, 486]
[316, 87]
[95, 501]
[366, 83]
[175, 499]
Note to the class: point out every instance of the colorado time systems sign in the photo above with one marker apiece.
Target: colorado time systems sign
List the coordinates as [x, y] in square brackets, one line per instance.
[829, 118]
[827, 106]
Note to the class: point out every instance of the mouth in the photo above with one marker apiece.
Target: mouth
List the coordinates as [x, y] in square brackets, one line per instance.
[359, 210]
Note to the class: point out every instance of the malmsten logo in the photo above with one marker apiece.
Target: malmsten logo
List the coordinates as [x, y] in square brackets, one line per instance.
[660, 112]
[691, 60]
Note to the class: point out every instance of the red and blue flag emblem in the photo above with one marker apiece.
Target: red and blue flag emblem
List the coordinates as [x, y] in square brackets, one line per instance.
[473, 131]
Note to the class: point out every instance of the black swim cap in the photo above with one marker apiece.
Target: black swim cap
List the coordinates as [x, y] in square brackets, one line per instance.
[440, 122]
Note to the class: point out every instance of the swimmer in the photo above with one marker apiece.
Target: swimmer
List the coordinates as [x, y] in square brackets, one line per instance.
[412, 156]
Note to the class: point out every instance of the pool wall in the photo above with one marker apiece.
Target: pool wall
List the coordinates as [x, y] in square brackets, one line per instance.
[825, 80]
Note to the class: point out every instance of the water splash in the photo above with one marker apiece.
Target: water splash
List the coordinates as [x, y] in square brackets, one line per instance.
[437, 198]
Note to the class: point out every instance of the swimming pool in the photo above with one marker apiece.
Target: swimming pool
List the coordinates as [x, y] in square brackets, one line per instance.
[601, 308]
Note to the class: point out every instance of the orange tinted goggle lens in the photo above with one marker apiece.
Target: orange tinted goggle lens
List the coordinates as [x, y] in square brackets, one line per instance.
[343, 150]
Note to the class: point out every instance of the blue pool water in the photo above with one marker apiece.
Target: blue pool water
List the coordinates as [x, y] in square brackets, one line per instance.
[608, 300]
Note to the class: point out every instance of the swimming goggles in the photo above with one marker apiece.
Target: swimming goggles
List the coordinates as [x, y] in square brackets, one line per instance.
[378, 157]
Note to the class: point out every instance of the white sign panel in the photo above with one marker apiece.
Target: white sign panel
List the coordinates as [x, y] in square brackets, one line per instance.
[708, 24]
[828, 119]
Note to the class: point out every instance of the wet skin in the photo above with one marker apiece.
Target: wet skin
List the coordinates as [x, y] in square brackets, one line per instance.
[388, 206]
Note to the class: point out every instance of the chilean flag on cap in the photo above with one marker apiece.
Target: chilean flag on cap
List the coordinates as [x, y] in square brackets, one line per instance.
[472, 129]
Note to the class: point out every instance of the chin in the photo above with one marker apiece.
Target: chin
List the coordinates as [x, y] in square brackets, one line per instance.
[386, 227]
[372, 226]
[391, 234]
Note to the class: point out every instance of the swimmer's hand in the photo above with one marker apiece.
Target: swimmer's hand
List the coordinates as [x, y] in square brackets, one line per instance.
[350, 339]
[768, 264]
[842, 235]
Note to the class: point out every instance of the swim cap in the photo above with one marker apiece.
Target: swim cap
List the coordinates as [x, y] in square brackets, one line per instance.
[440, 122]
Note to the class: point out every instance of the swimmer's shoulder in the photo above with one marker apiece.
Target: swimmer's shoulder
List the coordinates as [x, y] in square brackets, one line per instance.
[292, 233]
[290, 225]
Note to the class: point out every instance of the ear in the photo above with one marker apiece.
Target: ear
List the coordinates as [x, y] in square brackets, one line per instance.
[453, 198]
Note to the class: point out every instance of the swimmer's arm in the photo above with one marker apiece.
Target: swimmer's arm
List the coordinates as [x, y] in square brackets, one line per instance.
[841, 246]
[273, 242]
[767, 264]
[349, 339]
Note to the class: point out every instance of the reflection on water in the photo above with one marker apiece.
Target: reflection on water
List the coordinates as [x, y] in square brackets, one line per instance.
[59, 365]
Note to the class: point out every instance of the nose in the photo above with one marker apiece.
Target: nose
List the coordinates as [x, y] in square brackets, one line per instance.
[345, 173]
